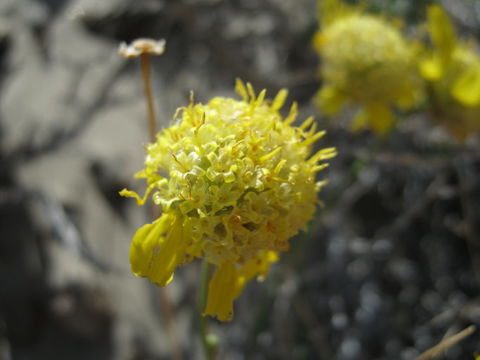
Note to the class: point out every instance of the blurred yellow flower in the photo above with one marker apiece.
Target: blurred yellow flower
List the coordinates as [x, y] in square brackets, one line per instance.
[235, 182]
[365, 63]
[452, 72]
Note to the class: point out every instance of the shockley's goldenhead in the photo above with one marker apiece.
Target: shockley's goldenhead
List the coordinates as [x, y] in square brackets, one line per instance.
[235, 181]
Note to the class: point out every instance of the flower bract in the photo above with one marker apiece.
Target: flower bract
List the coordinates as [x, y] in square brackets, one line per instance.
[235, 181]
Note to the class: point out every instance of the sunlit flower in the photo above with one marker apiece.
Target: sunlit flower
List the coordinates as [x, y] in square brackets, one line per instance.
[452, 71]
[366, 63]
[235, 182]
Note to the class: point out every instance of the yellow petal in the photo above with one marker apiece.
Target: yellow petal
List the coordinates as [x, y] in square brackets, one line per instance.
[323, 154]
[140, 201]
[170, 254]
[329, 100]
[292, 115]
[156, 255]
[307, 123]
[260, 98]
[441, 31]
[264, 267]
[142, 174]
[279, 100]
[251, 92]
[279, 166]
[240, 89]
[313, 138]
[467, 88]
[380, 118]
[271, 154]
[257, 267]
[431, 69]
[221, 292]
[145, 243]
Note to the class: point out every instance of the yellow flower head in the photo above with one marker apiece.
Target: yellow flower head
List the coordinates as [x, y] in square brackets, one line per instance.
[452, 71]
[235, 182]
[366, 63]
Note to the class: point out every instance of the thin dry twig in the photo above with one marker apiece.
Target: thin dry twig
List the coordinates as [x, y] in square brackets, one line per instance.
[446, 343]
[143, 48]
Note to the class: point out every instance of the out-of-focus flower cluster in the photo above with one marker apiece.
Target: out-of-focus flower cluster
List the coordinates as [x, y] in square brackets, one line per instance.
[451, 69]
[235, 182]
[365, 62]
[368, 64]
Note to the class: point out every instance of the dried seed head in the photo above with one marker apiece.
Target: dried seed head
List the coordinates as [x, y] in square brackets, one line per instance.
[142, 46]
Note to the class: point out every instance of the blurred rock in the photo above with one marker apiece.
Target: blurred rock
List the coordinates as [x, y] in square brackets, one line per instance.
[84, 312]
[389, 264]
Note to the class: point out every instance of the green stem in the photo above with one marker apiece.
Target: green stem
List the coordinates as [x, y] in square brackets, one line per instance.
[209, 342]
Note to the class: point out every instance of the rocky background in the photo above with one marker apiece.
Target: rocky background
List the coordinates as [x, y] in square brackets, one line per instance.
[389, 268]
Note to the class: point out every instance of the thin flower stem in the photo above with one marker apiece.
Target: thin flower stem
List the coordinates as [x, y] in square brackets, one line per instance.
[168, 315]
[166, 304]
[143, 48]
[147, 87]
[209, 348]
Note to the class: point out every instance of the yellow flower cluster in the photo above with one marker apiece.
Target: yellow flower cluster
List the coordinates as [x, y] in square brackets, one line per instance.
[452, 72]
[368, 64]
[365, 63]
[235, 182]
